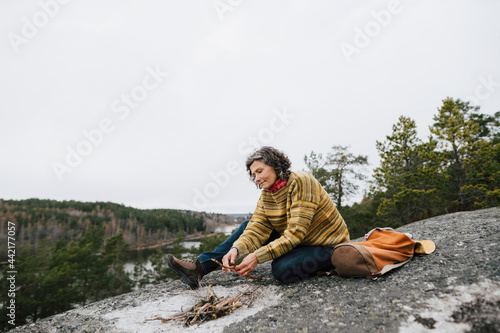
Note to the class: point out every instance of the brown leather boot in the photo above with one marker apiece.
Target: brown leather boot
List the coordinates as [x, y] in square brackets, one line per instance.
[190, 272]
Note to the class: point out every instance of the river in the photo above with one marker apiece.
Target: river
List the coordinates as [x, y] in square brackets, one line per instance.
[227, 230]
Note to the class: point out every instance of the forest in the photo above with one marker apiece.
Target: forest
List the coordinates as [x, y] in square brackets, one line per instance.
[456, 168]
[71, 253]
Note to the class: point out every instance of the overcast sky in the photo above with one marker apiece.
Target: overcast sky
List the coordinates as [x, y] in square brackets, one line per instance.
[156, 104]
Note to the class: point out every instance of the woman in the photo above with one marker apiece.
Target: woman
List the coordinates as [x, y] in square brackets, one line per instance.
[295, 224]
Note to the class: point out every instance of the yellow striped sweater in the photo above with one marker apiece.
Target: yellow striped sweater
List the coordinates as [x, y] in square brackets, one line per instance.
[302, 213]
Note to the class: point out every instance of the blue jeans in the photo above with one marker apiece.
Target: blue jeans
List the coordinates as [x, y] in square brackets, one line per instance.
[298, 264]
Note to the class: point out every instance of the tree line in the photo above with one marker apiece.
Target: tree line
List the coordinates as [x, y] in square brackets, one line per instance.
[37, 219]
[456, 168]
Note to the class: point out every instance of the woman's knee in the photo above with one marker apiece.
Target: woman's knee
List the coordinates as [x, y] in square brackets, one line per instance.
[301, 264]
[279, 272]
[288, 273]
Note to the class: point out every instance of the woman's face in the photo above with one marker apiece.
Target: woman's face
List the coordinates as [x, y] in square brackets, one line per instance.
[264, 175]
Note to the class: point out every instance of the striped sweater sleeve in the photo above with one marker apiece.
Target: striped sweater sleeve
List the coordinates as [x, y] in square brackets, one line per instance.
[256, 232]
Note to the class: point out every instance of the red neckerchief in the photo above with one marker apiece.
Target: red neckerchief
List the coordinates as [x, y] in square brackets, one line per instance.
[278, 185]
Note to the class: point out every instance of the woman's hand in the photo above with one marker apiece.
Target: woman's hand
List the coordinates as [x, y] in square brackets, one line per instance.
[229, 259]
[247, 265]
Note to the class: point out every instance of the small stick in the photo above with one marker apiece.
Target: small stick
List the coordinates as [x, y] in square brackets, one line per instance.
[164, 320]
[223, 266]
[255, 278]
[211, 295]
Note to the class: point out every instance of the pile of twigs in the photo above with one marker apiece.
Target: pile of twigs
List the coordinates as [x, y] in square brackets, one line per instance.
[209, 308]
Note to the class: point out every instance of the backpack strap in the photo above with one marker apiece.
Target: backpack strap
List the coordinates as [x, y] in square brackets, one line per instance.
[387, 268]
[368, 234]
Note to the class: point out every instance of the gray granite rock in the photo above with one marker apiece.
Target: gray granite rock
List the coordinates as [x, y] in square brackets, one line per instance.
[455, 289]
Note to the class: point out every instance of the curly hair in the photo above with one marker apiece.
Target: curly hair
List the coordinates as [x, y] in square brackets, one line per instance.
[272, 157]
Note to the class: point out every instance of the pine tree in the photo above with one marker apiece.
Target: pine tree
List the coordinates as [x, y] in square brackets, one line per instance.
[317, 165]
[140, 275]
[482, 183]
[407, 178]
[337, 172]
[457, 144]
[115, 255]
[91, 268]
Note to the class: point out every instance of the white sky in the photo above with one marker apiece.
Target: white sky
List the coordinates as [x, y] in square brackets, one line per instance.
[240, 73]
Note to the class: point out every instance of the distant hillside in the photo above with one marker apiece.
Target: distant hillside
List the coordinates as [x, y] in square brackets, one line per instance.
[37, 219]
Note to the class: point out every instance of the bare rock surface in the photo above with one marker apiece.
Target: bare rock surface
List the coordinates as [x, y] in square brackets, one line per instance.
[455, 289]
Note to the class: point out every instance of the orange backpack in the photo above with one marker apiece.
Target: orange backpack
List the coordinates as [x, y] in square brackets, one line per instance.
[383, 250]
